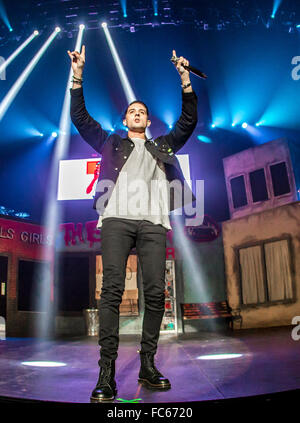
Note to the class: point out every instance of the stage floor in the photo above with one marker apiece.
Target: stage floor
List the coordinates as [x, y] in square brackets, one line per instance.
[268, 361]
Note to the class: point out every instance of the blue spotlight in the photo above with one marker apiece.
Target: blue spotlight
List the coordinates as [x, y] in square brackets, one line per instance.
[155, 7]
[124, 7]
[244, 125]
[276, 5]
[4, 65]
[203, 138]
[54, 134]
[213, 125]
[233, 124]
[170, 126]
[10, 96]
[4, 17]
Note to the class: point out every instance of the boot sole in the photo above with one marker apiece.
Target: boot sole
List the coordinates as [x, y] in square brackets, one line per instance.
[96, 400]
[148, 384]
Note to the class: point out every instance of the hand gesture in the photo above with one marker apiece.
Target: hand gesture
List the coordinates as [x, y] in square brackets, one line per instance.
[184, 73]
[78, 61]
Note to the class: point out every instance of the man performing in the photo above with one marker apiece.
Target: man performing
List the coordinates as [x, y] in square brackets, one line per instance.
[140, 159]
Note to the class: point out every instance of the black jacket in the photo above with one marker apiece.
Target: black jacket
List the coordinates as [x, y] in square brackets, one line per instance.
[115, 150]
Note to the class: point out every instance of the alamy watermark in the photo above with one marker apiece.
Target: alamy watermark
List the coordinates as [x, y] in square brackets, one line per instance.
[3, 72]
[138, 198]
[296, 330]
[296, 69]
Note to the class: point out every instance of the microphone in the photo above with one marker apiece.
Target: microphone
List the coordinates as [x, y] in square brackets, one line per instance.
[195, 71]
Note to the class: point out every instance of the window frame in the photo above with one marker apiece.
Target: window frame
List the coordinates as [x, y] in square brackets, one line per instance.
[261, 243]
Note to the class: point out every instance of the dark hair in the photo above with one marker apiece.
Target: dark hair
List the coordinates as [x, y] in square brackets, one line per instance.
[133, 102]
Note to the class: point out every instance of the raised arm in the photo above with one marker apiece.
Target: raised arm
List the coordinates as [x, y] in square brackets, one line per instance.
[187, 121]
[90, 130]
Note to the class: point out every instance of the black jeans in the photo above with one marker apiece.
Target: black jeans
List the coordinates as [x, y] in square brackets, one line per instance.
[118, 237]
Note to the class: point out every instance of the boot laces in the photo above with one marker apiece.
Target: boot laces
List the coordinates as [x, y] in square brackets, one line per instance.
[104, 377]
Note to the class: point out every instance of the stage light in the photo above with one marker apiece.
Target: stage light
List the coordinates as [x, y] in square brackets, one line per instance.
[124, 7]
[170, 126]
[17, 51]
[218, 356]
[43, 363]
[213, 125]
[54, 134]
[10, 29]
[155, 7]
[130, 96]
[233, 124]
[81, 26]
[51, 216]
[10, 96]
[244, 125]
[41, 135]
[57, 29]
[203, 138]
[4, 17]
[36, 32]
[104, 25]
[276, 5]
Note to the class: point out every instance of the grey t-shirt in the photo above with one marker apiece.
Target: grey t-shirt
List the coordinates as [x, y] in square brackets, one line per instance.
[140, 192]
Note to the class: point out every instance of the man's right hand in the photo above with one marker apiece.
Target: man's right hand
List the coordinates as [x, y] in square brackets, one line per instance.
[78, 61]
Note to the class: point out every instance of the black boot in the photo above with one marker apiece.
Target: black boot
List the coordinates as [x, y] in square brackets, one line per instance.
[149, 375]
[106, 388]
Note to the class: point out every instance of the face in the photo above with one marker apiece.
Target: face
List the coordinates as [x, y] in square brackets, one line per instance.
[136, 118]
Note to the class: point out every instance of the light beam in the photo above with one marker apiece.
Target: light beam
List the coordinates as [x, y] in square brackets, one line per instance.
[12, 93]
[17, 51]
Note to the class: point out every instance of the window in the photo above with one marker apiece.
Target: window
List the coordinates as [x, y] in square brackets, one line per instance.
[266, 273]
[258, 185]
[280, 179]
[238, 190]
[73, 283]
[33, 285]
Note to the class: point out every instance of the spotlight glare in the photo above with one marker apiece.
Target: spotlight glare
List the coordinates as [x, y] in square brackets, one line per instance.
[104, 24]
[36, 32]
[57, 29]
[54, 134]
[218, 356]
[213, 125]
[81, 26]
[244, 125]
[170, 126]
[43, 363]
[233, 124]
[14, 90]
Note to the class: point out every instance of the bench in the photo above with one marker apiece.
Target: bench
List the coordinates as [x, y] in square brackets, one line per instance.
[212, 310]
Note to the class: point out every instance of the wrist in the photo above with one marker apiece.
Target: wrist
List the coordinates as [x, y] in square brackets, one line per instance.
[185, 79]
[78, 74]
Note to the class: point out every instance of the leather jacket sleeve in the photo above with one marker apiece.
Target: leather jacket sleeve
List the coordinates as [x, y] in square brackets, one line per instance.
[90, 130]
[186, 123]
